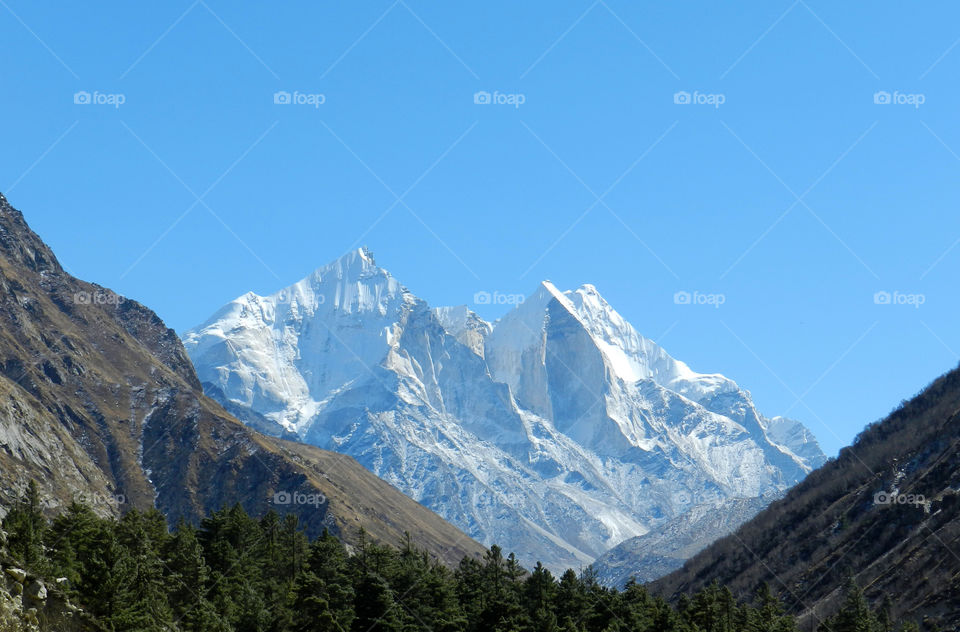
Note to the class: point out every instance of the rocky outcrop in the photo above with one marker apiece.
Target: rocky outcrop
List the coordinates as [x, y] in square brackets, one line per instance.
[27, 604]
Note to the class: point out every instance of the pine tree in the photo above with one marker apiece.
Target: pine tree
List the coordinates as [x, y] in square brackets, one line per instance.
[68, 542]
[767, 614]
[26, 526]
[144, 603]
[469, 589]
[855, 614]
[187, 582]
[324, 594]
[500, 577]
[598, 600]
[427, 590]
[708, 610]
[375, 607]
[571, 600]
[885, 616]
[232, 545]
[283, 549]
[107, 572]
[634, 608]
[539, 590]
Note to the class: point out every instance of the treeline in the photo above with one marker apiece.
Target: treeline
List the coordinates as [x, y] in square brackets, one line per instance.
[237, 573]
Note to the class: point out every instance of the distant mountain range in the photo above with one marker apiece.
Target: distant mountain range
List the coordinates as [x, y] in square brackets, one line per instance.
[558, 432]
[99, 403]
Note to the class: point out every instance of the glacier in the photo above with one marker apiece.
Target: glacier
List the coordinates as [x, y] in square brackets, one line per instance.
[557, 432]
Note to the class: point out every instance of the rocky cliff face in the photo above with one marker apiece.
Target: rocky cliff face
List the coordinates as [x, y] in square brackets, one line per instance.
[99, 401]
[556, 432]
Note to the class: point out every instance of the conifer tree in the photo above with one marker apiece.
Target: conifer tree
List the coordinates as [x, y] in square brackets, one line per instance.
[855, 614]
[69, 542]
[375, 607]
[26, 526]
[143, 598]
[187, 580]
[767, 614]
[324, 594]
[571, 600]
[107, 572]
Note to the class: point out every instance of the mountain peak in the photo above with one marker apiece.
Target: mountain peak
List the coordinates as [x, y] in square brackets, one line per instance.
[527, 406]
[548, 287]
[21, 244]
[352, 283]
[355, 264]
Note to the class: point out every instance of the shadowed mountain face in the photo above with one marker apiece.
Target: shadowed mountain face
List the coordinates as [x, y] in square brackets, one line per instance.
[886, 510]
[99, 401]
[651, 556]
[556, 432]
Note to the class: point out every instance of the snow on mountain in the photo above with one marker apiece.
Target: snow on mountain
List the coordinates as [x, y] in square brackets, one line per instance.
[557, 432]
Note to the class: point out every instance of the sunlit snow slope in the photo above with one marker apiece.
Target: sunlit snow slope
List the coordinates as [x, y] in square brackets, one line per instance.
[557, 432]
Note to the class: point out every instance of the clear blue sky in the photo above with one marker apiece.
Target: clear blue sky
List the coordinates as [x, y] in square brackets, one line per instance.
[797, 199]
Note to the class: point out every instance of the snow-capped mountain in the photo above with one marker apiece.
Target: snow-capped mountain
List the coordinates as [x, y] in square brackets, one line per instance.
[556, 432]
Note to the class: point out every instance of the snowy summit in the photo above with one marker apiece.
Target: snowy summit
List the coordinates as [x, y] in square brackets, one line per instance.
[557, 432]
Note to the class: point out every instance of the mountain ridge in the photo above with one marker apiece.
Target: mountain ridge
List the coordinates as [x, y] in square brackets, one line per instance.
[487, 423]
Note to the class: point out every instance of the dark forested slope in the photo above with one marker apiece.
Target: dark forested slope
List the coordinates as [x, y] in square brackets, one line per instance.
[885, 511]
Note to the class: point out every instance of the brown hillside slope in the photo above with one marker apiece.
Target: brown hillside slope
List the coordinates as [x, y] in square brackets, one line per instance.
[98, 397]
